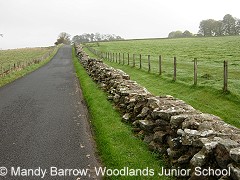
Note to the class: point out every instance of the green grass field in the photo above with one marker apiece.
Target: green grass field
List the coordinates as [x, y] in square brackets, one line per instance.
[210, 53]
[9, 57]
[207, 97]
[22, 56]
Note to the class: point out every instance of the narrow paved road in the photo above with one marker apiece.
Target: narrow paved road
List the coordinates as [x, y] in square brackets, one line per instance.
[43, 124]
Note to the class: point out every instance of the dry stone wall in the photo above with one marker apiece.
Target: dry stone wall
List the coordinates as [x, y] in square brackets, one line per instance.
[191, 139]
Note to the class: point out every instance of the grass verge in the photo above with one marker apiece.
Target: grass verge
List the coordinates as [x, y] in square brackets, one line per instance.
[117, 146]
[18, 74]
[205, 99]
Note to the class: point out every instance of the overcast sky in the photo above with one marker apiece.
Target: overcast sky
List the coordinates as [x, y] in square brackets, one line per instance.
[31, 23]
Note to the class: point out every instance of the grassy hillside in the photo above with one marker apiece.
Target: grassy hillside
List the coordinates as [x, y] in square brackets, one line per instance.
[21, 58]
[9, 57]
[208, 99]
[210, 53]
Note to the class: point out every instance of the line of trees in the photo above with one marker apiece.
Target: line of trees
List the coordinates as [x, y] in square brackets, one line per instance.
[228, 26]
[64, 38]
[180, 34]
[95, 37]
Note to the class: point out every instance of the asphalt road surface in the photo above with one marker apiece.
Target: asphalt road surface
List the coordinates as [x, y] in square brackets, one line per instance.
[44, 125]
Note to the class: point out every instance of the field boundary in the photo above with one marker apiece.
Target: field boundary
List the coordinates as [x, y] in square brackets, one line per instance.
[18, 66]
[145, 62]
[21, 71]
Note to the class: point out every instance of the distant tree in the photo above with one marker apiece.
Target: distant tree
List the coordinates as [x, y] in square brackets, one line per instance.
[119, 38]
[187, 34]
[203, 30]
[98, 37]
[207, 27]
[112, 37]
[229, 25]
[87, 36]
[237, 26]
[175, 34]
[95, 37]
[76, 39]
[80, 38]
[180, 34]
[92, 37]
[218, 28]
[63, 38]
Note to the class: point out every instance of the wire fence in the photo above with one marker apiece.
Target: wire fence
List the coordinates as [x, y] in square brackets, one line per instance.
[195, 72]
[9, 68]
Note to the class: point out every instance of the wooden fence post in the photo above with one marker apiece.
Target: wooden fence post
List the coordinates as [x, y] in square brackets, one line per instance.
[225, 76]
[149, 64]
[123, 59]
[160, 65]
[133, 60]
[128, 59]
[175, 69]
[195, 71]
[140, 61]
[119, 59]
[116, 58]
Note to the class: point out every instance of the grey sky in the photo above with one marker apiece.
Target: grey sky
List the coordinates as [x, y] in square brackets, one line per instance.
[30, 23]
